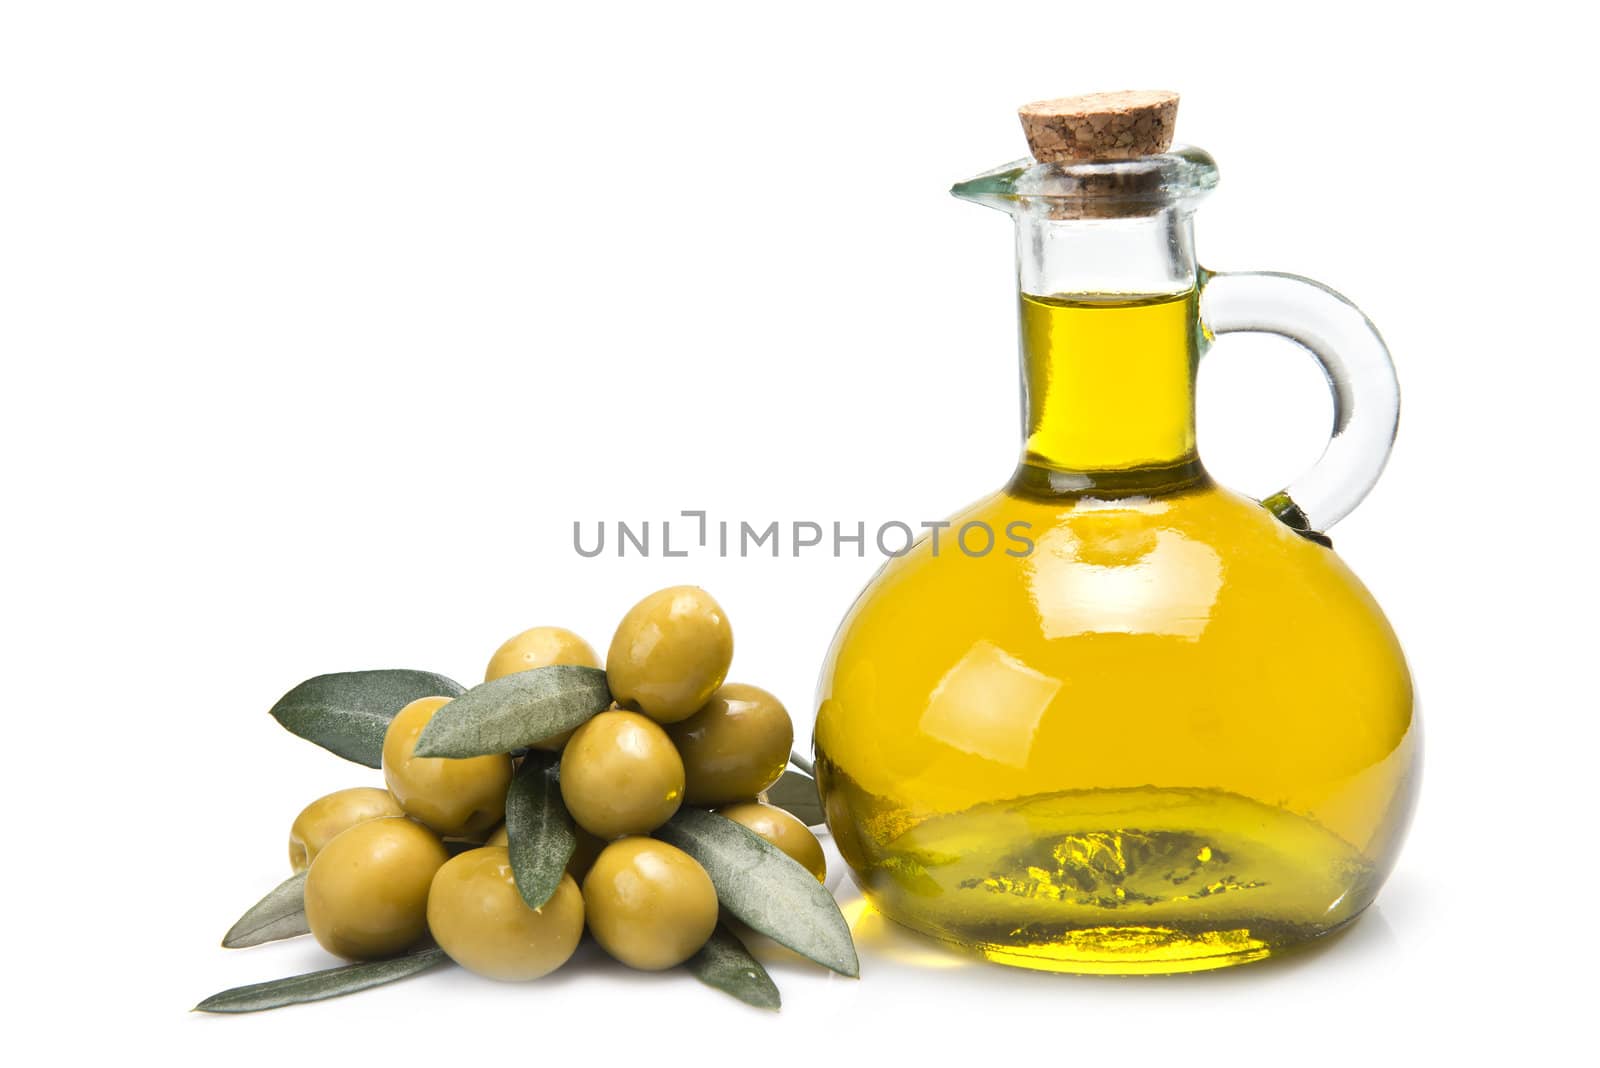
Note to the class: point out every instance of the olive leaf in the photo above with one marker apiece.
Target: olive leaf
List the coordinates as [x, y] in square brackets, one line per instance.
[726, 964]
[281, 914]
[761, 885]
[514, 711]
[315, 986]
[348, 712]
[539, 831]
[797, 794]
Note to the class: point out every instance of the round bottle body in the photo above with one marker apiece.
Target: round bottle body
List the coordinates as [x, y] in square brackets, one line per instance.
[1152, 734]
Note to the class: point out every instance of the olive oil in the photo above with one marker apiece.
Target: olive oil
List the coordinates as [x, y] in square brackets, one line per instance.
[1176, 735]
[1102, 414]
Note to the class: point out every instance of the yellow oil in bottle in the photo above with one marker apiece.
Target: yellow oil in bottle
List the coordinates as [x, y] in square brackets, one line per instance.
[1174, 735]
[1097, 414]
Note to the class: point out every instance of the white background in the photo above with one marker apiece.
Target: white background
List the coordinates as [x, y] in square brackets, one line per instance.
[322, 322]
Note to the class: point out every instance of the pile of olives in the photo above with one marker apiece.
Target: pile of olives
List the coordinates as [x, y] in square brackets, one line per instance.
[380, 874]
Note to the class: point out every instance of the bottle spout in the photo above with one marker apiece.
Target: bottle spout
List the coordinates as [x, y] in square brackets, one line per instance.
[995, 188]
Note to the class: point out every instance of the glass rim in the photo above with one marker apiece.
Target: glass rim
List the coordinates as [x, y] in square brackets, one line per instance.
[1134, 186]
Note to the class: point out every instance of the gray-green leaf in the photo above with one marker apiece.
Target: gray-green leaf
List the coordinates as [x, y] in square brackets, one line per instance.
[316, 986]
[514, 711]
[281, 914]
[348, 712]
[761, 885]
[538, 829]
[797, 794]
[726, 964]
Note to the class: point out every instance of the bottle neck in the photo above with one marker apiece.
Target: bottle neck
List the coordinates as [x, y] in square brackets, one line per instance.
[1110, 343]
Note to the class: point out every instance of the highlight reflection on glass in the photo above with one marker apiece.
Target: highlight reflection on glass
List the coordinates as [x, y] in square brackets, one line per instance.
[1167, 585]
[989, 705]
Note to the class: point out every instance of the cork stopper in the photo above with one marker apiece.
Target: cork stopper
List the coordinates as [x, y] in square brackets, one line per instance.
[1100, 126]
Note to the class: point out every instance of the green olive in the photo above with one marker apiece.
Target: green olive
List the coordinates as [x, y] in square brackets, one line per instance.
[734, 747]
[621, 775]
[478, 917]
[670, 653]
[649, 904]
[366, 893]
[783, 830]
[325, 817]
[457, 798]
[588, 847]
[536, 648]
[540, 647]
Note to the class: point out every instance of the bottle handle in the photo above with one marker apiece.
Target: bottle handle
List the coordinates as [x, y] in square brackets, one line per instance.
[1366, 395]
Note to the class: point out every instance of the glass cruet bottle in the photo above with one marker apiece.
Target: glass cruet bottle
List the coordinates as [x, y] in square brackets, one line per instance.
[1130, 722]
